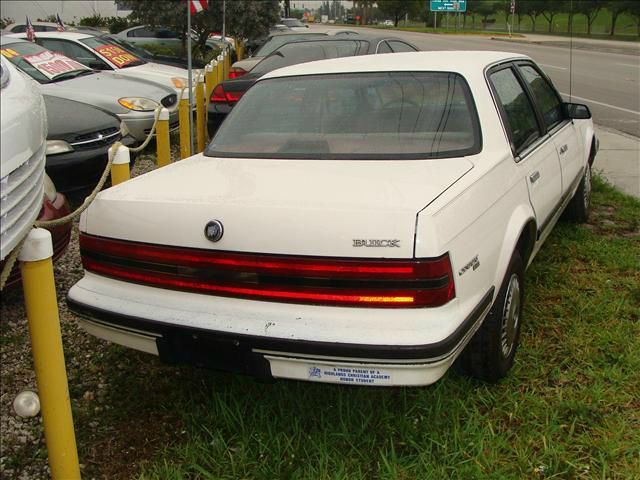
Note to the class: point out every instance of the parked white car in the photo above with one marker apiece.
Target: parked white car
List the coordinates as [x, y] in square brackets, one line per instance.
[363, 221]
[23, 145]
[99, 54]
[134, 101]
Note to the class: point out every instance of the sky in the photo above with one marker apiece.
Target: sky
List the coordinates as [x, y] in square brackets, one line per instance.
[73, 10]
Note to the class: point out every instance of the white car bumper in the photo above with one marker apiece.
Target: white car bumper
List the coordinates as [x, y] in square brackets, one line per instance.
[373, 347]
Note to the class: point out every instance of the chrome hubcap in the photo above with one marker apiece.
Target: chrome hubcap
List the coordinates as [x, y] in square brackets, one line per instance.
[510, 316]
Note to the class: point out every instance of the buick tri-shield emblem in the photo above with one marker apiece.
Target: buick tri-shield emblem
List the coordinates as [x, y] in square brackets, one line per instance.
[213, 230]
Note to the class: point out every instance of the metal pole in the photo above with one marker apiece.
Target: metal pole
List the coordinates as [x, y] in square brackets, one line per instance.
[190, 76]
[224, 23]
[435, 20]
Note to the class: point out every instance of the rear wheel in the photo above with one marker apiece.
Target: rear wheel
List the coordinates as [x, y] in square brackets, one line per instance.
[490, 353]
[578, 208]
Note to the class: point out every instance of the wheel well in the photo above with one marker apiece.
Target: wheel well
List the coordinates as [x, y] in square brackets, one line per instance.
[593, 151]
[526, 241]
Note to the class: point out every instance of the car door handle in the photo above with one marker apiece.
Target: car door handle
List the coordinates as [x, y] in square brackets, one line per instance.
[563, 149]
[533, 178]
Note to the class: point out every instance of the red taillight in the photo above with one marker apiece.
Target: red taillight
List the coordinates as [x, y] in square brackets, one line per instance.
[236, 72]
[220, 95]
[345, 282]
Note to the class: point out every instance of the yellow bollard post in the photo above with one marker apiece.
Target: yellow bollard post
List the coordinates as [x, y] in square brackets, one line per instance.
[200, 123]
[220, 72]
[184, 114]
[120, 165]
[209, 80]
[163, 146]
[240, 50]
[209, 84]
[227, 64]
[48, 356]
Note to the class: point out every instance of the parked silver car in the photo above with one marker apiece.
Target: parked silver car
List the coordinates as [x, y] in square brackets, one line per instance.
[132, 100]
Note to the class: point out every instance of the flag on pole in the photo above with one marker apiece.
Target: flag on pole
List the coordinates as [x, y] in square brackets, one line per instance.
[31, 33]
[198, 5]
[60, 26]
[513, 6]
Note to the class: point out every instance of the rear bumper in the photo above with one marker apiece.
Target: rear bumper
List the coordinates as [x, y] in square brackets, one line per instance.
[273, 357]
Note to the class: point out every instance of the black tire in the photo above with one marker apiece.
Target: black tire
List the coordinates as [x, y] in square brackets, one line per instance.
[578, 208]
[490, 353]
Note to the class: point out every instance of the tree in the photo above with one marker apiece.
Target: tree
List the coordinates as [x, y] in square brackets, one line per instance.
[485, 10]
[244, 18]
[550, 10]
[616, 8]
[590, 9]
[634, 11]
[532, 8]
[398, 9]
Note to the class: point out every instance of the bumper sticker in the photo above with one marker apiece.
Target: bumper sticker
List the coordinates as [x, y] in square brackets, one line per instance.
[350, 375]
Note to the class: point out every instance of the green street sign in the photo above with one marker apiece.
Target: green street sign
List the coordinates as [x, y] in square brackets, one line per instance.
[448, 5]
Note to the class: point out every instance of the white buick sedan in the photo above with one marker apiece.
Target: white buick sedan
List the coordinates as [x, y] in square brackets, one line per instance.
[362, 221]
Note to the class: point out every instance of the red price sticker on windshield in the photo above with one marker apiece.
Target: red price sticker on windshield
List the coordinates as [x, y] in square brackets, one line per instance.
[116, 55]
[51, 64]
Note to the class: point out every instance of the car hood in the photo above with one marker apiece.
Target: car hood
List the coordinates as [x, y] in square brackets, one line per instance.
[67, 119]
[104, 89]
[298, 207]
[158, 73]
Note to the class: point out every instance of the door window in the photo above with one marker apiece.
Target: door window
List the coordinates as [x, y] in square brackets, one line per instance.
[548, 101]
[518, 110]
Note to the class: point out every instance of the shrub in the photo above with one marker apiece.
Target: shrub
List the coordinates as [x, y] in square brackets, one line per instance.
[93, 21]
[117, 24]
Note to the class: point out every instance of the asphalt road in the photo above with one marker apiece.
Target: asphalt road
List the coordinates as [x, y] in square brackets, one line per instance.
[602, 74]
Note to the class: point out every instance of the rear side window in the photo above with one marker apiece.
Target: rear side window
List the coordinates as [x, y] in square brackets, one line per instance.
[383, 47]
[141, 32]
[548, 101]
[294, 53]
[391, 115]
[399, 46]
[520, 114]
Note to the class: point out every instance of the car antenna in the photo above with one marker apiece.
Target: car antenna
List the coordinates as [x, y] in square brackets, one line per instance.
[570, 50]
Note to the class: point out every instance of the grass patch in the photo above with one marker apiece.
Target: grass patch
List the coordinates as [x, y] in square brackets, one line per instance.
[569, 409]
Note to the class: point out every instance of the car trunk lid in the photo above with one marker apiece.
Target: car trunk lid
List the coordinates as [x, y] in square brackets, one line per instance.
[293, 207]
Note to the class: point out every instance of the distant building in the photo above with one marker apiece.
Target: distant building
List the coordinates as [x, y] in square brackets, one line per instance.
[69, 10]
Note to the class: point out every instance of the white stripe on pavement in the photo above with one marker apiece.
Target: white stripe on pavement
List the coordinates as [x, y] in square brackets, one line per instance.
[602, 104]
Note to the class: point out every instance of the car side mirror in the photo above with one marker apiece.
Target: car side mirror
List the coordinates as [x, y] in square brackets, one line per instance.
[576, 111]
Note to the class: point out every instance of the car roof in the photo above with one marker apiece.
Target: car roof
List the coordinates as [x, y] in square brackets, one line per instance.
[463, 62]
[42, 24]
[64, 35]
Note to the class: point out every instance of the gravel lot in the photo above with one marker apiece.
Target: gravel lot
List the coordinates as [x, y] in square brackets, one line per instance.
[23, 452]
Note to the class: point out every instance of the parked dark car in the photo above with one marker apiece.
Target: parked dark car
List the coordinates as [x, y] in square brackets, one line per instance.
[226, 94]
[77, 144]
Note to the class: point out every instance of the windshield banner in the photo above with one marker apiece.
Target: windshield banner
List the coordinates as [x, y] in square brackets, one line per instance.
[116, 55]
[51, 64]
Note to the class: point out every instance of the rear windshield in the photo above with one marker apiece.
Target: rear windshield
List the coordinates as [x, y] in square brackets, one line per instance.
[393, 115]
[277, 41]
[301, 52]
